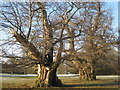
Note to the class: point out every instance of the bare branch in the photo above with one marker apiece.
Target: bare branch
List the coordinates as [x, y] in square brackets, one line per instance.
[24, 42]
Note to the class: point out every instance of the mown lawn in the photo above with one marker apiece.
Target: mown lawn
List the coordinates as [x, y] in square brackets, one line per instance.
[69, 83]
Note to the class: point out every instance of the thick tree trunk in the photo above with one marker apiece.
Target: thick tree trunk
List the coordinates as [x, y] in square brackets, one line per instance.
[47, 78]
[83, 75]
[87, 72]
[86, 69]
[87, 75]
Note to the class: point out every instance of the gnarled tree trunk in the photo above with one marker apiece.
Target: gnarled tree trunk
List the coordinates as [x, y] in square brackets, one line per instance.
[85, 73]
[88, 72]
[47, 77]
[86, 69]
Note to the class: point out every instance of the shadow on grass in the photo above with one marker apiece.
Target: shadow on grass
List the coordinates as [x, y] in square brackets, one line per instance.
[93, 84]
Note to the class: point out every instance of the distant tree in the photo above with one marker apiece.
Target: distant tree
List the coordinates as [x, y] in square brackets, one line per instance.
[96, 39]
[99, 36]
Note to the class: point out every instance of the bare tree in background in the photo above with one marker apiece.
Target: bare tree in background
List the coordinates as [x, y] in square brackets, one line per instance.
[97, 38]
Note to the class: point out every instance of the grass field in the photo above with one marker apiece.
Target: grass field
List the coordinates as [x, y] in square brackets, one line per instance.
[68, 82]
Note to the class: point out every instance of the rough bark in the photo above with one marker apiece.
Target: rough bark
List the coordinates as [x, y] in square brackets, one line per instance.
[87, 74]
[47, 74]
[47, 78]
[87, 71]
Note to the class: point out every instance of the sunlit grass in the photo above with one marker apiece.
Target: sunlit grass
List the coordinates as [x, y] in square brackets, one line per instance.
[73, 82]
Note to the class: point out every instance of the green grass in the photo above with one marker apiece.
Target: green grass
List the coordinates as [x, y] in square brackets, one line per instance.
[68, 82]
